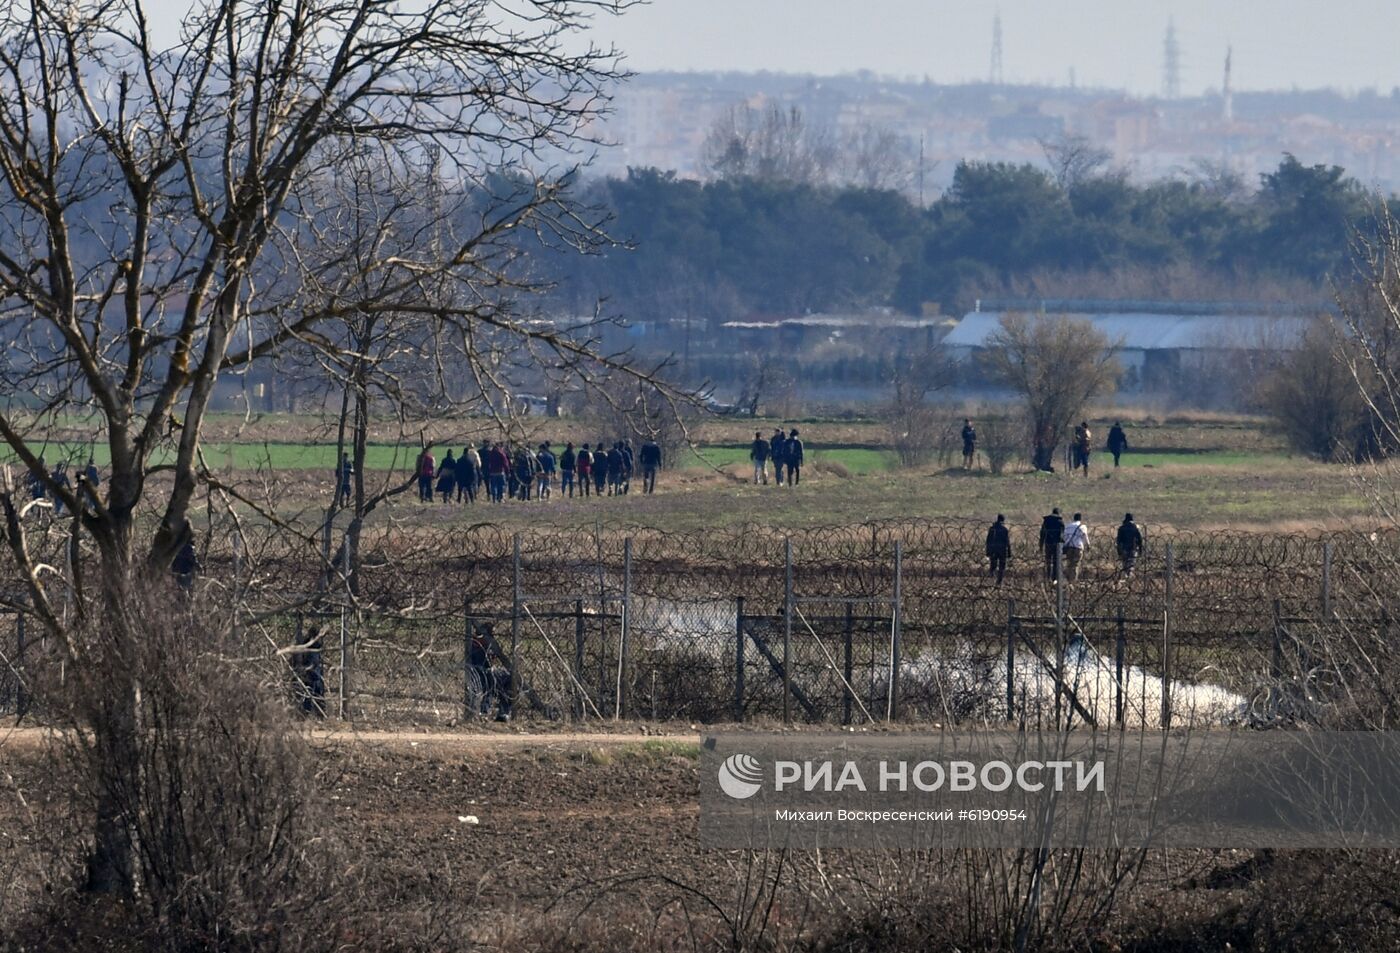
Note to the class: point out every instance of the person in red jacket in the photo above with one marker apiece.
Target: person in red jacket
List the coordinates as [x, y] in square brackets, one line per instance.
[497, 464]
[427, 466]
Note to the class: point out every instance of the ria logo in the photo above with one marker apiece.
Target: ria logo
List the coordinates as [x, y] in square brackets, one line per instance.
[740, 776]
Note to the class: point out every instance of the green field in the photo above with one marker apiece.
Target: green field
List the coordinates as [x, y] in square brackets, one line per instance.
[1209, 473]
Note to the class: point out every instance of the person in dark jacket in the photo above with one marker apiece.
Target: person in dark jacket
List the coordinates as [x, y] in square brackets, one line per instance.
[492, 684]
[59, 477]
[35, 481]
[308, 668]
[568, 464]
[792, 451]
[466, 476]
[548, 462]
[525, 469]
[777, 452]
[585, 471]
[998, 547]
[616, 462]
[344, 477]
[1117, 441]
[1052, 532]
[629, 464]
[651, 462]
[447, 477]
[600, 468]
[969, 439]
[1129, 543]
[186, 563]
[758, 453]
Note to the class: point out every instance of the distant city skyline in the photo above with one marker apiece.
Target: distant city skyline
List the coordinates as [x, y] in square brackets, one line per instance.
[1278, 44]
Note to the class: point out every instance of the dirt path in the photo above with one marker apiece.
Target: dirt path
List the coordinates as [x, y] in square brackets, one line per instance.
[29, 738]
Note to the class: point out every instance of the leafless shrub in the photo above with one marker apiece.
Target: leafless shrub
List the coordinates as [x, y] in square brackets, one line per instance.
[914, 423]
[1001, 436]
[212, 800]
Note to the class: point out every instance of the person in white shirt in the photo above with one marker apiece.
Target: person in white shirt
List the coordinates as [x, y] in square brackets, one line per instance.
[1076, 541]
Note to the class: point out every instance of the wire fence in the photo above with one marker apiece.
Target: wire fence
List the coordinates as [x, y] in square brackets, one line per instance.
[851, 624]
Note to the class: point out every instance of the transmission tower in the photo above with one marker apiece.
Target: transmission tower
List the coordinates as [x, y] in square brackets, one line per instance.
[996, 74]
[1228, 91]
[1171, 63]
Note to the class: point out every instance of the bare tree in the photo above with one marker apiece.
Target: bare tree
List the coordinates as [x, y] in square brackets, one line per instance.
[1073, 158]
[157, 205]
[1057, 364]
[913, 422]
[877, 157]
[773, 144]
[1313, 397]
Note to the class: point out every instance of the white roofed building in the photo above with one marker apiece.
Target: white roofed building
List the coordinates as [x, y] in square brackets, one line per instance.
[1155, 341]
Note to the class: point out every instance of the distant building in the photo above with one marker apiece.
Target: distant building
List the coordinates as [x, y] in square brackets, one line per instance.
[1156, 341]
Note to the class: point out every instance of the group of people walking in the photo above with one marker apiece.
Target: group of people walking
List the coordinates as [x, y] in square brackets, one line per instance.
[1080, 445]
[499, 471]
[1062, 545]
[786, 453]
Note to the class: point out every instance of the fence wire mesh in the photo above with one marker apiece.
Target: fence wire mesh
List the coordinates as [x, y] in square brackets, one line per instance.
[842, 624]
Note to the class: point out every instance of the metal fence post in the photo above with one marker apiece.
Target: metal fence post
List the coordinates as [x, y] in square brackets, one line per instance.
[621, 709]
[1167, 639]
[739, 659]
[1327, 580]
[787, 631]
[579, 711]
[1060, 599]
[466, 660]
[21, 701]
[1010, 659]
[896, 625]
[515, 621]
[1120, 650]
[846, 664]
[344, 711]
[1276, 663]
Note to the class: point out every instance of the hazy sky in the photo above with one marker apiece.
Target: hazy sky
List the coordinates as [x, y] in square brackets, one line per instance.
[1348, 44]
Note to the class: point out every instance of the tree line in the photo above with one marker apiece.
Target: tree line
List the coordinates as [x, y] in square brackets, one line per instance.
[771, 236]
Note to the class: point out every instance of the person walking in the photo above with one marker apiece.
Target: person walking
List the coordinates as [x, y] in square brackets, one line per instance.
[600, 468]
[447, 477]
[969, 439]
[480, 458]
[998, 548]
[1076, 542]
[792, 449]
[466, 474]
[1117, 442]
[758, 453]
[1129, 544]
[1082, 436]
[497, 464]
[568, 463]
[546, 474]
[34, 480]
[525, 467]
[427, 466]
[585, 471]
[344, 473]
[651, 462]
[629, 464]
[777, 452]
[1052, 531]
[616, 463]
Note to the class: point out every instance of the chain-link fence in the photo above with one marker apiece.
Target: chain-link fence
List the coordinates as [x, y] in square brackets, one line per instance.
[849, 624]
